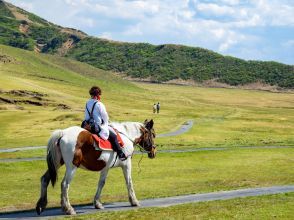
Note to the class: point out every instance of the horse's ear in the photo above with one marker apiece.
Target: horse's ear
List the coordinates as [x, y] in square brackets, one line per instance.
[149, 125]
[145, 122]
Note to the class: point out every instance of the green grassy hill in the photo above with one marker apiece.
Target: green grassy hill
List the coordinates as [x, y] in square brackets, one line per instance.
[40, 93]
[162, 63]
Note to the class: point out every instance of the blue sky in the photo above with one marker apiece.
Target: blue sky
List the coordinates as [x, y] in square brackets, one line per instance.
[248, 29]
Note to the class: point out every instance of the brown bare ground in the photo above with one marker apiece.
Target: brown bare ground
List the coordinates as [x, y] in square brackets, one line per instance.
[65, 47]
[212, 83]
[6, 59]
[15, 97]
[23, 28]
[17, 15]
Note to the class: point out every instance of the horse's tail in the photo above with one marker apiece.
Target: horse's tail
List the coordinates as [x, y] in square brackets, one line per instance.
[54, 155]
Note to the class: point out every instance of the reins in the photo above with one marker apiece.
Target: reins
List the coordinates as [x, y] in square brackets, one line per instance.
[136, 143]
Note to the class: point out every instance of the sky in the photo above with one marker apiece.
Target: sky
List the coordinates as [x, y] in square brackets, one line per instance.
[247, 29]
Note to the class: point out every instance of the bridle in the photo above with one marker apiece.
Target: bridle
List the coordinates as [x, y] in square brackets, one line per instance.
[137, 141]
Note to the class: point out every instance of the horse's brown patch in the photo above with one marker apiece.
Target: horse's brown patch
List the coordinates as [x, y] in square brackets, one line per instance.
[85, 153]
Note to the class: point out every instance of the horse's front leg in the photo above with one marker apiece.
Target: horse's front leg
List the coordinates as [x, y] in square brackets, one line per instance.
[101, 183]
[127, 169]
[65, 204]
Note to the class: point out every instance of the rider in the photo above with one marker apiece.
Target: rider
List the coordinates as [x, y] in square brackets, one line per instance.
[100, 116]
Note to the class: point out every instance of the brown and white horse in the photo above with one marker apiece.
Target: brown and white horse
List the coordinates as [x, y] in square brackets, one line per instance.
[75, 147]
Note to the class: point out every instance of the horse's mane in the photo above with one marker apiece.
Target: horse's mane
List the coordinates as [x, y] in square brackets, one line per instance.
[131, 128]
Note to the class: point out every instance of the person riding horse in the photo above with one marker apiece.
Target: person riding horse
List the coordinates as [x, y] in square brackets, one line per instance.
[101, 118]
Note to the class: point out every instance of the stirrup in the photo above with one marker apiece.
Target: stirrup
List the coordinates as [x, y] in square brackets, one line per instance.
[122, 156]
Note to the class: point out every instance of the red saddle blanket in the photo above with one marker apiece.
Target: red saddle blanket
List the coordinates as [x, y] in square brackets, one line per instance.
[105, 144]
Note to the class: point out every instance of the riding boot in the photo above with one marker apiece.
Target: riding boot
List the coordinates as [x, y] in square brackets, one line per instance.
[115, 146]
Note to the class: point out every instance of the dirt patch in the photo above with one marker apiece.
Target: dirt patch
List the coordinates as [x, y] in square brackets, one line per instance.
[62, 106]
[25, 93]
[212, 83]
[66, 46]
[46, 77]
[16, 97]
[6, 59]
[13, 101]
[23, 28]
[188, 82]
[260, 86]
[18, 15]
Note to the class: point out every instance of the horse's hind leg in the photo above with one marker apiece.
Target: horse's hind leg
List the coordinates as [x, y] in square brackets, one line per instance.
[101, 183]
[65, 205]
[42, 202]
[127, 169]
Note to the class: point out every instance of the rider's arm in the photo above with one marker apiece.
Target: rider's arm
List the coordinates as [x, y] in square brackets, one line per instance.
[104, 133]
[104, 114]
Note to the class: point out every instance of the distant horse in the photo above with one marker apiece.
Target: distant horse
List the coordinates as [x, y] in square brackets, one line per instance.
[75, 147]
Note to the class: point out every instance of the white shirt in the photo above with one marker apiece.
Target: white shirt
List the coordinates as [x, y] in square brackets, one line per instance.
[99, 114]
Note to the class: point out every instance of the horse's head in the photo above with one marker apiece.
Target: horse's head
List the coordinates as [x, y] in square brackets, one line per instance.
[146, 140]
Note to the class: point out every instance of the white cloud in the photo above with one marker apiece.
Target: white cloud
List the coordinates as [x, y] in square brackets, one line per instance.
[215, 9]
[275, 13]
[88, 22]
[106, 35]
[231, 39]
[126, 9]
[289, 43]
[133, 30]
[231, 2]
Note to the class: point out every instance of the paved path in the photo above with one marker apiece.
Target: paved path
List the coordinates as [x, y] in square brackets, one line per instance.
[184, 128]
[159, 202]
[11, 160]
[10, 150]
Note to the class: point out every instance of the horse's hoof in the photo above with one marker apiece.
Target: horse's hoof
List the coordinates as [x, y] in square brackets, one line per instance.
[136, 203]
[70, 211]
[98, 205]
[39, 210]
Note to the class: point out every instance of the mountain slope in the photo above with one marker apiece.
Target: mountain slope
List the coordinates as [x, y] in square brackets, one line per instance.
[161, 63]
[167, 62]
[41, 92]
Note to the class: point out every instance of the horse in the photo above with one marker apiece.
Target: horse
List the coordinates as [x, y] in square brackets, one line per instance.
[75, 147]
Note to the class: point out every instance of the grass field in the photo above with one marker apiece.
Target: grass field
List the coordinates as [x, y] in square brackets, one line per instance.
[167, 175]
[222, 117]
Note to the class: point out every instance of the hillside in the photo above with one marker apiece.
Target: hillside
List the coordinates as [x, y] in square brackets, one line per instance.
[40, 93]
[162, 63]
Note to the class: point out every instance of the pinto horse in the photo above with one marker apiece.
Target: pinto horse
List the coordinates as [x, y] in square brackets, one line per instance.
[75, 147]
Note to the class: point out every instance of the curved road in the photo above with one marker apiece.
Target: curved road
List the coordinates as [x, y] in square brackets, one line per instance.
[184, 128]
[159, 202]
[11, 160]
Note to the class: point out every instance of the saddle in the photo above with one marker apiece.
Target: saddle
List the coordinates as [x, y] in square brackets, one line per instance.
[105, 144]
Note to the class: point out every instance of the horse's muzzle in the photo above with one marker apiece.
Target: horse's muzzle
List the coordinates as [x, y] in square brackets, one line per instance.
[152, 153]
